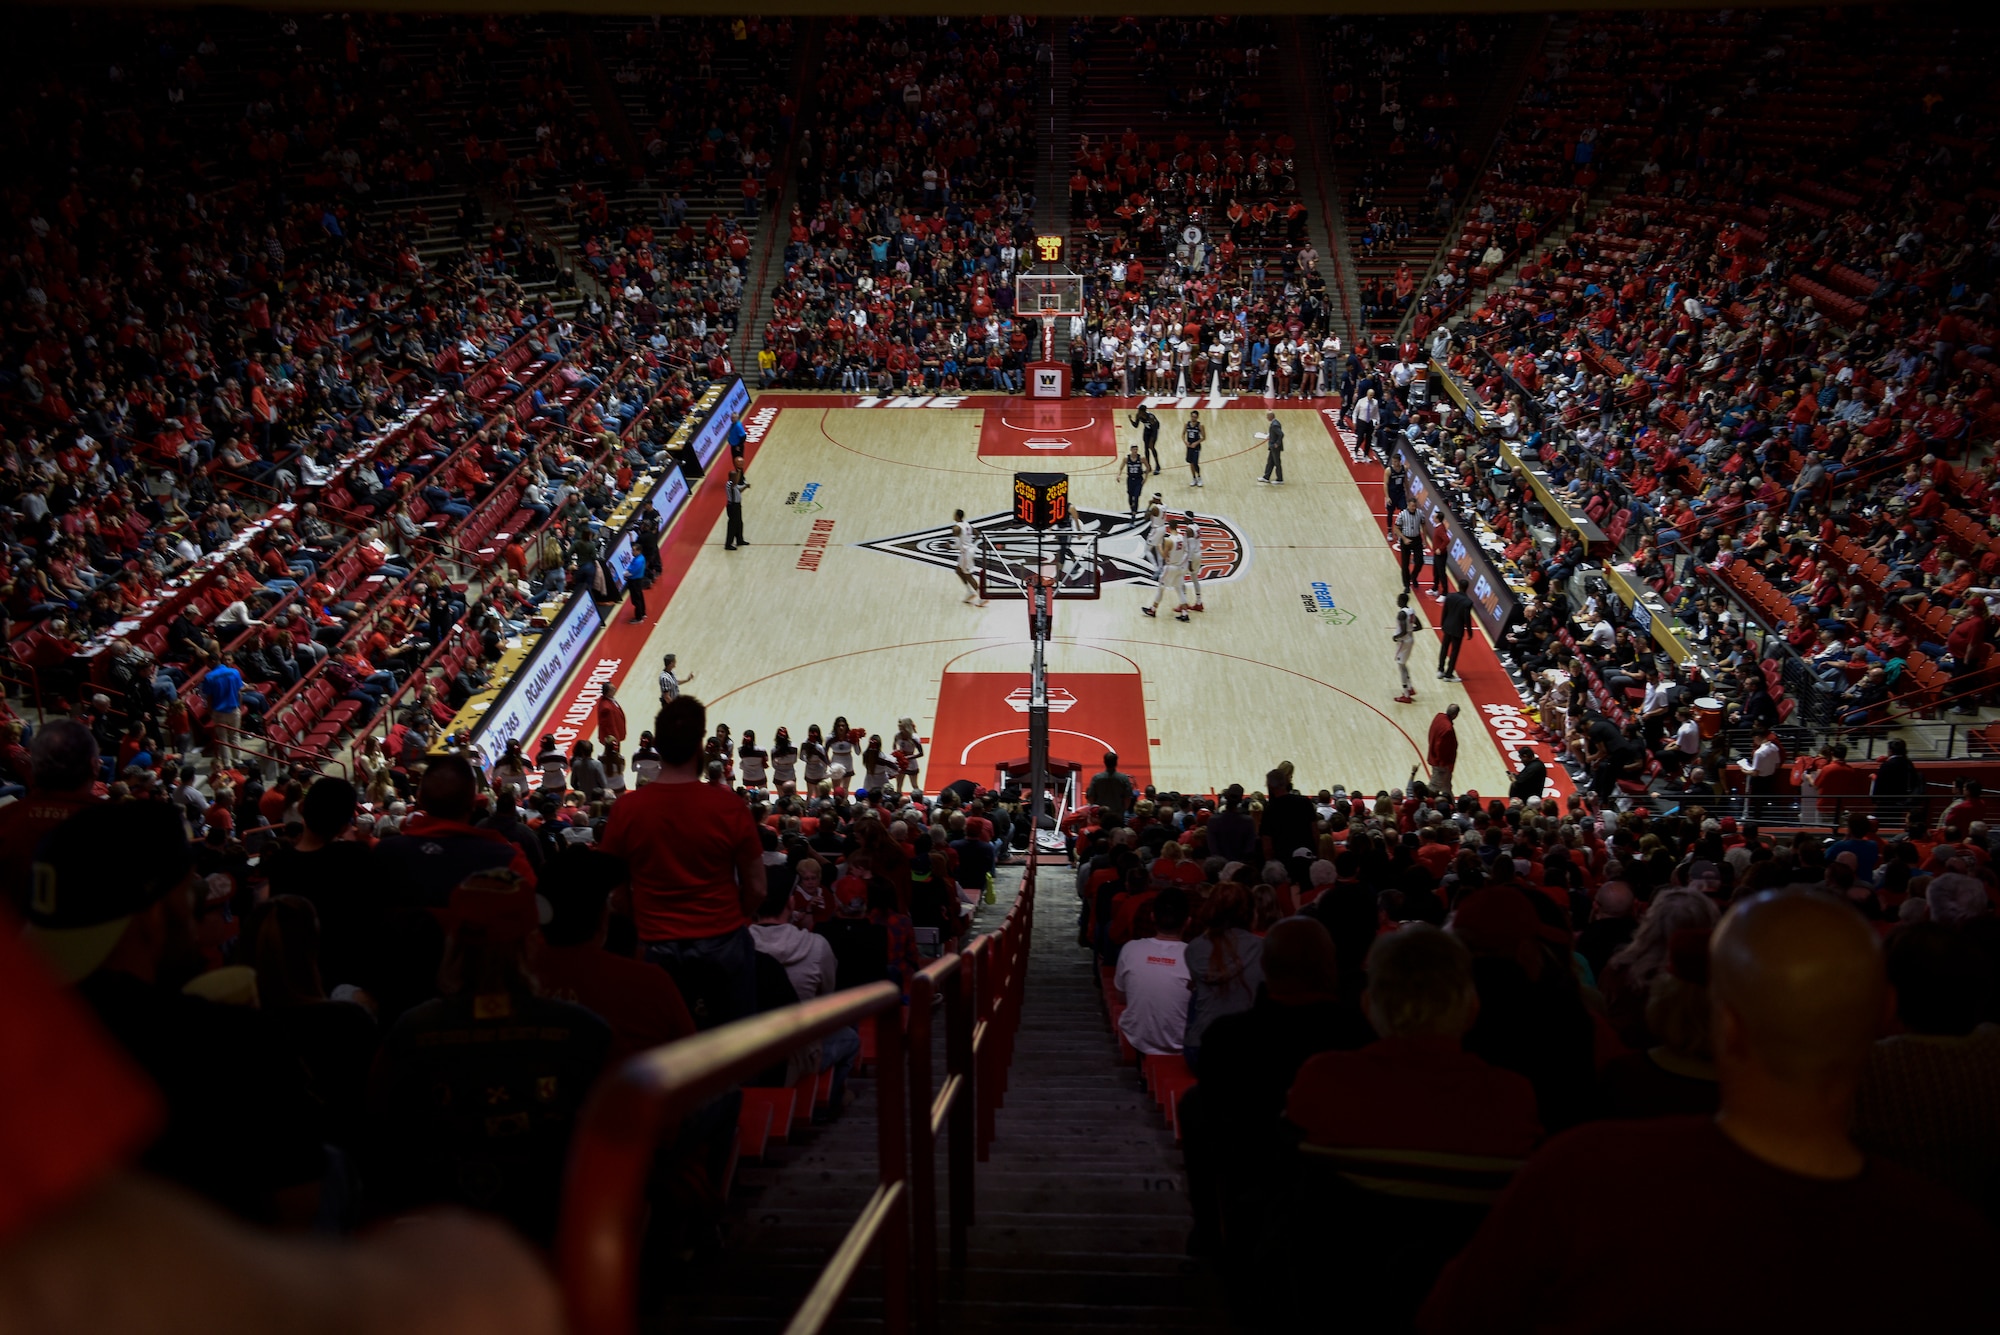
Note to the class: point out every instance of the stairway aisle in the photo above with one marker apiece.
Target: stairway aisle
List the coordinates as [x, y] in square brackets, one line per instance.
[1082, 1216]
[767, 251]
[1054, 146]
[1533, 42]
[1318, 182]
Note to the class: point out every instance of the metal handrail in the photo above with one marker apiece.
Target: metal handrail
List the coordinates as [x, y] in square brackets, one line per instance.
[641, 1105]
[284, 754]
[949, 1110]
[1803, 811]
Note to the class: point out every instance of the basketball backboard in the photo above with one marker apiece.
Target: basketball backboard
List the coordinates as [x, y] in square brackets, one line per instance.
[1008, 562]
[1048, 294]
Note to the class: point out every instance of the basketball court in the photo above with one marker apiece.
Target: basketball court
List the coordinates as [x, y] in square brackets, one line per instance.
[846, 601]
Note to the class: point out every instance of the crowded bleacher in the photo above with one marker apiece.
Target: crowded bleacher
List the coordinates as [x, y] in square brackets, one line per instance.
[262, 475]
[335, 343]
[1790, 465]
[1189, 225]
[915, 194]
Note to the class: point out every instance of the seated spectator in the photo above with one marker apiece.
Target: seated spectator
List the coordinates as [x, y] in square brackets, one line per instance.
[1612, 924]
[64, 770]
[1224, 964]
[812, 969]
[638, 1001]
[1789, 1210]
[478, 1089]
[1627, 979]
[115, 915]
[332, 1041]
[1531, 1018]
[1416, 1088]
[1152, 980]
[1929, 1097]
[860, 945]
[438, 846]
[1677, 1073]
[1246, 1064]
[93, 1243]
[335, 874]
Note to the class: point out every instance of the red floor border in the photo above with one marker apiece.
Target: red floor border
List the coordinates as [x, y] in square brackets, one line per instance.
[1485, 678]
[619, 644]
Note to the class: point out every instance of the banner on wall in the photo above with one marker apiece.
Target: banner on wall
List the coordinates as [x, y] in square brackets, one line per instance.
[544, 671]
[1491, 598]
[710, 435]
[666, 501]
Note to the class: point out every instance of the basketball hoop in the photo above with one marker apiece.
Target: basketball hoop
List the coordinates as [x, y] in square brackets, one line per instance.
[1009, 564]
[1048, 295]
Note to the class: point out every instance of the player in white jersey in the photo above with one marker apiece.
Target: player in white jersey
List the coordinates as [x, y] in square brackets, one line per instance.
[1191, 530]
[968, 572]
[1407, 622]
[1156, 530]
[1173, 572]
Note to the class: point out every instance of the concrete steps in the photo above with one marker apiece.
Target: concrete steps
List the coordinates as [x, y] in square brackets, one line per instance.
[1081, 1220]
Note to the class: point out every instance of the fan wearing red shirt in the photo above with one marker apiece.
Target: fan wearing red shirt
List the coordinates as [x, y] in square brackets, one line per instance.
[638, 1001]
[1783, 1217]
[697, 869]
[1441, 753]
[1416, 1088]
[610, 716]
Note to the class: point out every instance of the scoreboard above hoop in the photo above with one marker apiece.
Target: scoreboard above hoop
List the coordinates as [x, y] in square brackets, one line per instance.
[1049, 249]
[1041, 500]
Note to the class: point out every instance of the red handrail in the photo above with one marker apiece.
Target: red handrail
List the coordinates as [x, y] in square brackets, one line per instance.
[641, 1105]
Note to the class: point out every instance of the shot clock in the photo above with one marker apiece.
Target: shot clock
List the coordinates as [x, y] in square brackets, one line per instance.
[1041, 500]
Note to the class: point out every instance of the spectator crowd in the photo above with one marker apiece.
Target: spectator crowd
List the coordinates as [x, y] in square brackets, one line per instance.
[277, 466]
[1442, 994]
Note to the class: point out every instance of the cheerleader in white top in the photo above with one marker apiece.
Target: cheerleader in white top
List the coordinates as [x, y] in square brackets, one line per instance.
[753, 760]
[909, 749]
[812, 755]
[840, 746]
[784, 760]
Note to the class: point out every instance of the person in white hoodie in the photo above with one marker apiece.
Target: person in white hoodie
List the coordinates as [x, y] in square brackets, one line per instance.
[809, 964]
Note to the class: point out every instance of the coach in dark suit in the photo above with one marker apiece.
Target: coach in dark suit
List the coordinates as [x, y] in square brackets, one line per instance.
[1456, 624]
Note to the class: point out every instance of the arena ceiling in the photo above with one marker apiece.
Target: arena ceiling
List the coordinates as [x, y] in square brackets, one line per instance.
[1058, 7]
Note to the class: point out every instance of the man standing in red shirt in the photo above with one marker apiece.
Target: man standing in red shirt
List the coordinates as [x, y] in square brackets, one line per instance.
[697, 871]
[1442, 755]
[610, 717]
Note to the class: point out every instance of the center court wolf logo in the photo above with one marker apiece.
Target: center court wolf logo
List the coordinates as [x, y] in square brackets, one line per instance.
[1122, 554]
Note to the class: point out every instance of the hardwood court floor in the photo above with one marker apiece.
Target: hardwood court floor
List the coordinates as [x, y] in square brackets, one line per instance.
[1290, 661]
